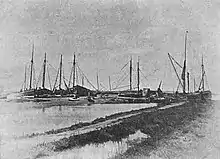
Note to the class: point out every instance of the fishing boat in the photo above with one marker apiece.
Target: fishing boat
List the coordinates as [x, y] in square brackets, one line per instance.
[35, 91]
[201, 93]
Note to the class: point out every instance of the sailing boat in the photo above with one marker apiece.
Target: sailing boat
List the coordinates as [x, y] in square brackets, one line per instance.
[31, 91]
[77, 90]
[59, 91]
[43, 91]
[201, 94]
[204, 94]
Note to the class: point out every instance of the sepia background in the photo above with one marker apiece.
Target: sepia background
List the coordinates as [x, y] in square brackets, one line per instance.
[105, 34]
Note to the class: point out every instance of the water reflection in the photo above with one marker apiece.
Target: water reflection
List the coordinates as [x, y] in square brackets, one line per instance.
[20, 119]
[26, 118]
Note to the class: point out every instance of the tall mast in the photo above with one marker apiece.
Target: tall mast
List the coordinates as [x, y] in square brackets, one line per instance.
[60, 71]
[82, 80]
[203, 83]
[188, 81]
[74, 69]
[131, 73]
[44, 70]
[138, 76]
[194, 85]
[32, 62]
[109, 82]
[25, 77]
[184, 67]
[97, 78]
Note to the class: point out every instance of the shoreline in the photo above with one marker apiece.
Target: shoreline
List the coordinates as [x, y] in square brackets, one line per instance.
[157, 124]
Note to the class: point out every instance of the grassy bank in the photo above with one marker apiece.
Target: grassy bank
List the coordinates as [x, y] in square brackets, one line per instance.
[156, 124]
[97, 120]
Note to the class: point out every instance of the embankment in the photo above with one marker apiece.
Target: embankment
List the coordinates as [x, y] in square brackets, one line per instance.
[156, 124]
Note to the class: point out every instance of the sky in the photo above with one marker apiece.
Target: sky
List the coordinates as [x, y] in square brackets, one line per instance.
[105, 34]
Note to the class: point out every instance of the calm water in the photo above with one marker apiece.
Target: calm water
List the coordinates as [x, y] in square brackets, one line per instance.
[199, 139]
[19, 119]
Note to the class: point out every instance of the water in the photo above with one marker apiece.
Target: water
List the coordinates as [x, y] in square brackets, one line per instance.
[19, 119]
[198, 139]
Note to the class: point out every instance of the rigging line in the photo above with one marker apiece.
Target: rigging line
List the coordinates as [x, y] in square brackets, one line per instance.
[207, 82]
[56, 80]
[201, 80]
[39, 77]
[53, 67]
[128, 88]
[175, 70]
[143, 75]
[177, 89]
[176, 61]
[28, 75]
[34, 75]
[71, 82]
[122, 69]
[119, 73]
[71, 72]
[125, 65]
[64, 81]
[86, 78]
[49, 78]
[116, 82]
[155, 70]
[123, 87]
[25, 77]
[103, 86]
[121, 81]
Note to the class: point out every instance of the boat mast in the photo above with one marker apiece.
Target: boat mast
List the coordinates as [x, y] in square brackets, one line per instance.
[82, 80]
[131, 73]
[194, 85]
[188, 80]
[32, 62]
[138, 76]
[109, 81]
[97, 78]
[60, 71]
[203, 73]
[184, 67]
[44, 70]
[160, 84]
[25, 77]
[74, 69]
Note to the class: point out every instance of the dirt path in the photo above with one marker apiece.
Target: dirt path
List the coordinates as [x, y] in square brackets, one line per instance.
[110, 122]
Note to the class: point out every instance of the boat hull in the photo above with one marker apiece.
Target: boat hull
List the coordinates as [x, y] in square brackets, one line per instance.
[200, 96]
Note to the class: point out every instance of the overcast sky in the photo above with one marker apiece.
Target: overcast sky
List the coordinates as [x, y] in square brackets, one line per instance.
[105, 34]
